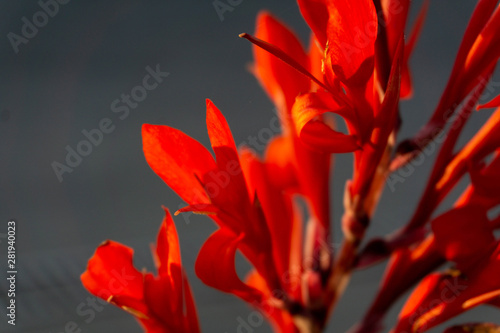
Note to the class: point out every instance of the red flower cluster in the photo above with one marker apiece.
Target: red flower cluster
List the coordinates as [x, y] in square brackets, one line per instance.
[357, 68]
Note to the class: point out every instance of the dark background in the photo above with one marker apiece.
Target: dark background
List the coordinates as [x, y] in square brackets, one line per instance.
[64, 80]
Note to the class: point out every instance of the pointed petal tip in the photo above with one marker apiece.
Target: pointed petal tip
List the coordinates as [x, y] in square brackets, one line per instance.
[166, 210]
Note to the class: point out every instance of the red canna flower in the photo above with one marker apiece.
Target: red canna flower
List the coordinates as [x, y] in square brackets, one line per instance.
[162, 303]
[254, 216]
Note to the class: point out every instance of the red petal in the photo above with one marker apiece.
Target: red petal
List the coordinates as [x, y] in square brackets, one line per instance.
[315, 12]
[406, 83]
[313, 173]
[191, 313]
[351, 32]
[178, 160]
[169, 269]
[167, 246]
[416, 303]
[396, 15]
[168, 295]
[229, 186]
[282, 82]
[311, 106]
[315, 58]
[277, 208]
[485, 183]
[280, 164]
[485, 51]
[110, 272]
[218, 129]
[463, 234]
[164, 299]
[215, 265]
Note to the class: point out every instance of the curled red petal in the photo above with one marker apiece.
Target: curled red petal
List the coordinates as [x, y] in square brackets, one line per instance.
[111, 273]
[216, 268]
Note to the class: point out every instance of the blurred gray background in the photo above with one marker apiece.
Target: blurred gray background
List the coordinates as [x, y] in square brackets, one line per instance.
[64, 79]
